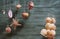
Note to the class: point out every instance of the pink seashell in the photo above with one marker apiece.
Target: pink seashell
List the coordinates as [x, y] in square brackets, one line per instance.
[31, 5]
[8, 29]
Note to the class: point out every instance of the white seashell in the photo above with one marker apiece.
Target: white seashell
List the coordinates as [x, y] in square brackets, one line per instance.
[50, 26]
[53, 20]
[48, 20]
[47, 26]
[3, 12]
[31, 3]
[10, 13]
[43, 32]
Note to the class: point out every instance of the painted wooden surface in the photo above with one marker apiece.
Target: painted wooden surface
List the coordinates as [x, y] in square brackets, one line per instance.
[36, 21]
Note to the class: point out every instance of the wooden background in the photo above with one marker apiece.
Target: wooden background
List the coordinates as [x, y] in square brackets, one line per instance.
[36, 21]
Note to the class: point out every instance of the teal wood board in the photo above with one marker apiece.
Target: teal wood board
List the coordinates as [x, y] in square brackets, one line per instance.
[36, 21]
